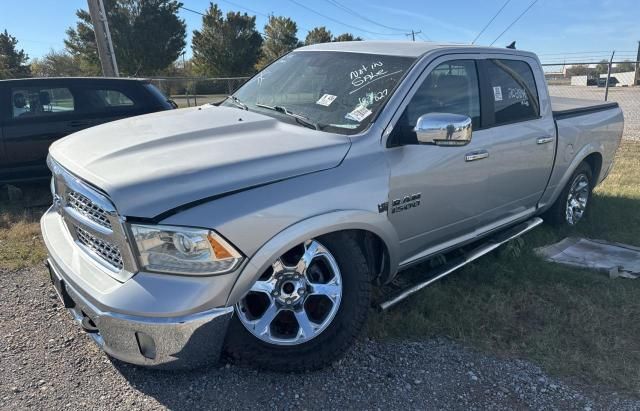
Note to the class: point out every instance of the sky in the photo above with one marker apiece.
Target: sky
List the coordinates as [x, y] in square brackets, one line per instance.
[558, 30]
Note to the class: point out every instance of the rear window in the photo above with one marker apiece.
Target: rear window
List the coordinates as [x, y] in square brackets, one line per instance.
[99, 99]
[514, 93]
[33, 102]
[114, 98]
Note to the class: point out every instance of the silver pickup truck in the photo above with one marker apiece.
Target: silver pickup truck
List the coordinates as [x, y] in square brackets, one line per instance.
[259, 226]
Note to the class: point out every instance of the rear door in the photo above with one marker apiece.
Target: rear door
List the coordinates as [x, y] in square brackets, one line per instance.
[522, 138]
[39, 114]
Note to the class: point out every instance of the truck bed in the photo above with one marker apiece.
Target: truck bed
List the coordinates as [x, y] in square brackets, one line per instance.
[564, 107]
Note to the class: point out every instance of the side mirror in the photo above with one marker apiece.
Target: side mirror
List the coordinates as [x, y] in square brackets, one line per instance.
[443, 129]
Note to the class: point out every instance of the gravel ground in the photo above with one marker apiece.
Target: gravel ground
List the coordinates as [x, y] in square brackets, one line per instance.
[46, 362]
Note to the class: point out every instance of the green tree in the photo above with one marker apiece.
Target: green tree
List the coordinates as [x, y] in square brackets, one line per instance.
[624, 67]
[602, 67]
[56, 64]
[346, 37]
[147, 36]
[318, 35]
[578, 70]
[227, 46]
[13, 61]
[280, 38]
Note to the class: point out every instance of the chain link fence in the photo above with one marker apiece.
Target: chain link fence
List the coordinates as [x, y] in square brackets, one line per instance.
[194, 91]
[586, 80]
[589, 81]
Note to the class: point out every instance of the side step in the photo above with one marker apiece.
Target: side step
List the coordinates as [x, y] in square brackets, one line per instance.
[491, 244]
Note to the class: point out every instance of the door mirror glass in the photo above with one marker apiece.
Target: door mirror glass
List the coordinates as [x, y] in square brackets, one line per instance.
[443, 129]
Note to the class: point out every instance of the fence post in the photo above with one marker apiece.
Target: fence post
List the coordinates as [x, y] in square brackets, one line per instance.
[606, 86]
[195, 92]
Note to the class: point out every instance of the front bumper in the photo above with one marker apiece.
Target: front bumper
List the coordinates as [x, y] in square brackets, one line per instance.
[168, 336]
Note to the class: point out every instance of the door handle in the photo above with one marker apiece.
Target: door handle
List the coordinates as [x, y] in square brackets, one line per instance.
[476, 155]
[544, 140]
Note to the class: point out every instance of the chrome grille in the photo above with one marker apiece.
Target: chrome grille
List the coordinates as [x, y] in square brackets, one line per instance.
[88, 208]
[107, 251]
[93, 223]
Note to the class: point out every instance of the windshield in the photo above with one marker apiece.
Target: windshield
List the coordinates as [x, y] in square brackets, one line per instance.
[334, 91]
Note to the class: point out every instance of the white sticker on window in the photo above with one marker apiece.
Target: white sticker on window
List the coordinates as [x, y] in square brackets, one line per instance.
[326, 100]
[358, 114]
[497, 93]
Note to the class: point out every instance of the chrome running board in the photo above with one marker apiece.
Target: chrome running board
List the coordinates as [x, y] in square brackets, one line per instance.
[491, 244]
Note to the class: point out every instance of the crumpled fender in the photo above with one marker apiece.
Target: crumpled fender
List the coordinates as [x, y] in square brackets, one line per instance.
[310, 228]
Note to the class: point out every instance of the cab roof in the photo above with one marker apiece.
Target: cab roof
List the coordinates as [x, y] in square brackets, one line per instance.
[405, 48]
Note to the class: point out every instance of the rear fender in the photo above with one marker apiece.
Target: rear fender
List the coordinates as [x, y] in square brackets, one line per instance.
[550, 198]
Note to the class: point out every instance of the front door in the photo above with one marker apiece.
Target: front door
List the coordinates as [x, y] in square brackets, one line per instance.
[435, 191]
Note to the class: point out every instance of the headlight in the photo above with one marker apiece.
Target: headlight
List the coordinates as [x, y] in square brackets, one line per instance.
[183, 250]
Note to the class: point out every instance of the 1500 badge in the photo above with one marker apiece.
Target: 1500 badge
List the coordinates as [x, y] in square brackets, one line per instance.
[401, 204]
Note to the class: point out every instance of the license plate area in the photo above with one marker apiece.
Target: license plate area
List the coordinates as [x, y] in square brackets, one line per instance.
[61, 289]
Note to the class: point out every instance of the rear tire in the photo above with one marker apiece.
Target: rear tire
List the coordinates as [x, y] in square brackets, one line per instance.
[318, 344]
[572, 205]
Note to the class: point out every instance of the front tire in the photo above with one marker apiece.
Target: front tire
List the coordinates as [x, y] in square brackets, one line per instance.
[305, 310]
[571, 206]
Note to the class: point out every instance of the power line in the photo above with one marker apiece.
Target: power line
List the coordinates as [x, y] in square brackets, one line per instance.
[245, 8]
[355, 13]
[490, 21]
[202, 14]
[342, 23]
[515, 21]
[192, 11]
[584, 52]
[413, 34]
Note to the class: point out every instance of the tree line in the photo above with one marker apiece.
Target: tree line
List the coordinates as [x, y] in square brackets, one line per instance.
[600, 68]
[149, 38]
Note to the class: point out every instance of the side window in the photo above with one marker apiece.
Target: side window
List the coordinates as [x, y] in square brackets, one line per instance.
[114, 98]
[515, 97]
[32, 102]
[104, 100]
[452, 87]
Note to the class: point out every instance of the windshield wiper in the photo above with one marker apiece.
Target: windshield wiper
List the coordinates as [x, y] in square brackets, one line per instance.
[300, 119]
[237, 102]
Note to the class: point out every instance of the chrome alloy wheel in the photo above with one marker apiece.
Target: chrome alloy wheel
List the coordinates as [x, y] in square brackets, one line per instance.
[296, 299]
[577, 199]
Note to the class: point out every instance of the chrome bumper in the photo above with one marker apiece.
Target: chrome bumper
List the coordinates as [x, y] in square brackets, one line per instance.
[181, 342]
[152, 320]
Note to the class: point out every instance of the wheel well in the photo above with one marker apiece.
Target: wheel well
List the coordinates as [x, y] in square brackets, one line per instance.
[375, 252]
[594, 160]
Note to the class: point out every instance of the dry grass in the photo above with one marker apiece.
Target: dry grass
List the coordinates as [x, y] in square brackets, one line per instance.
[572, 322]
[20, 238]
[20, 242]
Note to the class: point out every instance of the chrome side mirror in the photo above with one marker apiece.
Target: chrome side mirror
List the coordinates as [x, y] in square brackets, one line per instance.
[443, 129]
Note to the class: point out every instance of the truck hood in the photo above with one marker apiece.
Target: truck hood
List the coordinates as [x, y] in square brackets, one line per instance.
[154, 163]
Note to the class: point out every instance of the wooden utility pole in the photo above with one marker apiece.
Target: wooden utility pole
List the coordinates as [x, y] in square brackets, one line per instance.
[606, 89]
[103, 38]
[636, 76]
[413, 34]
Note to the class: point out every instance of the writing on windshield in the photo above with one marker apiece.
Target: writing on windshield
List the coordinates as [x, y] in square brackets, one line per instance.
[338, 91]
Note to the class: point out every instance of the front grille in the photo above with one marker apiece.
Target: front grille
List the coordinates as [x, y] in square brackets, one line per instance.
[93, 223]
[107, 251]
[88, 208]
